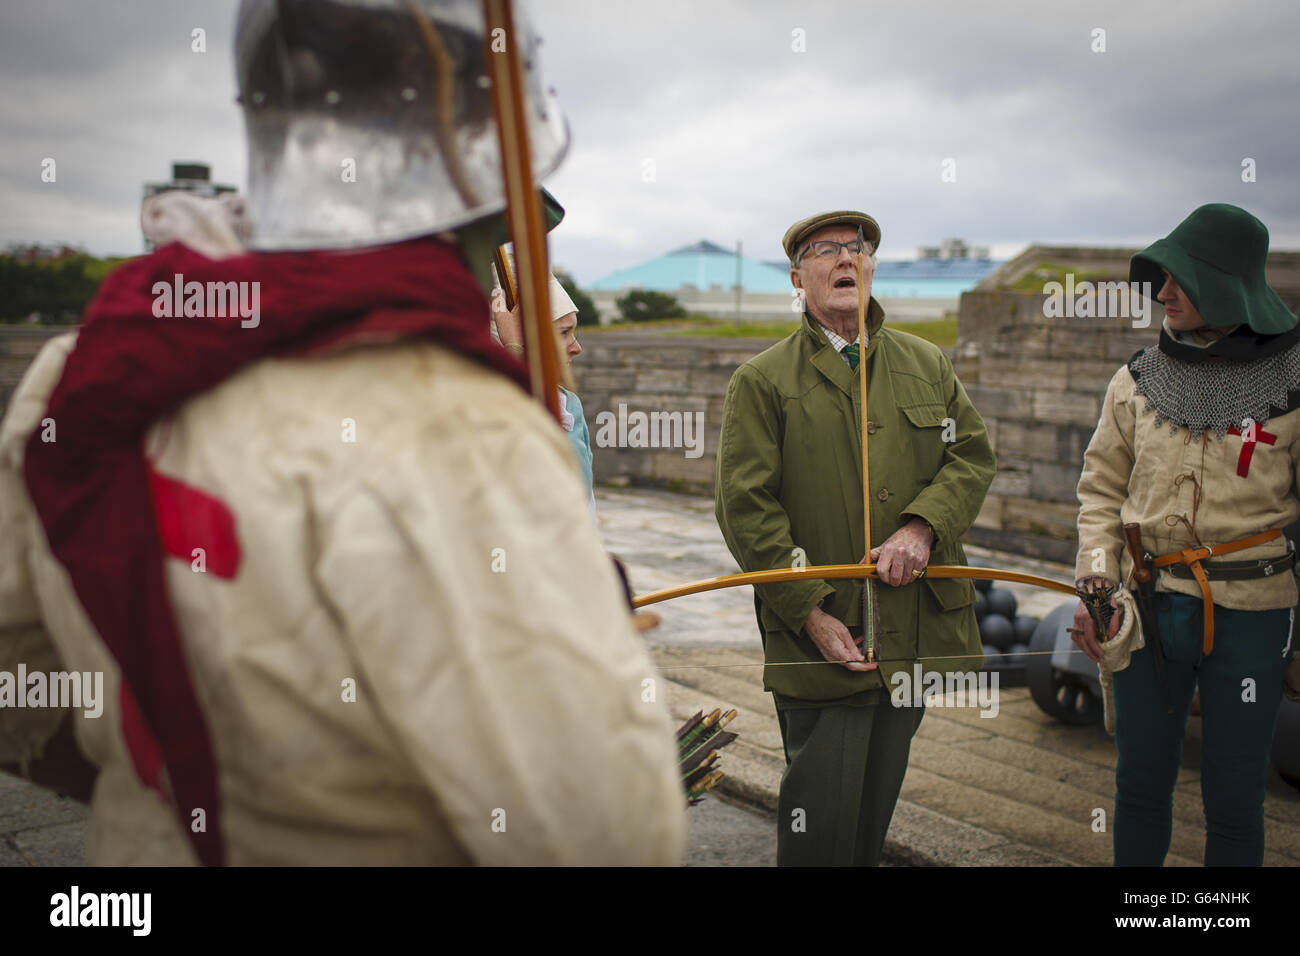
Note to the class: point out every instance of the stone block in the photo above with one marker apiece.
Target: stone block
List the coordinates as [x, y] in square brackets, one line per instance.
[597, 353]
[1050, 481]
[1065, 408]
[1027, 440]
[670, 380]
[1010, 483]
[1024, 373]
[709, 380]
[727, 353]
[1025, 343]
[1046, 518]
[999, 403]
[990, 515]
[671, 356]
[673, 466]
[1120, 346]
[1067, 344]
[992, 427]
[1072, 442]
[1090, 376]
[601, 378]
[967, 368]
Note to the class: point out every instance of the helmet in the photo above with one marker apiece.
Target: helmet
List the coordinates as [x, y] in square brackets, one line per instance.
[370, 121]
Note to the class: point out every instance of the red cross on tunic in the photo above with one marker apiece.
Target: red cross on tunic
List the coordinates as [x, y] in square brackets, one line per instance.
[1253, 435]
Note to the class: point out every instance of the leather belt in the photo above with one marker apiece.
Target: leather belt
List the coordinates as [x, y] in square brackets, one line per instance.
[1193, 558]
[1238, 570]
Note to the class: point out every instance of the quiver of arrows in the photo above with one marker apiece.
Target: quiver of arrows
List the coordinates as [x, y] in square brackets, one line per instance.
[698, 743]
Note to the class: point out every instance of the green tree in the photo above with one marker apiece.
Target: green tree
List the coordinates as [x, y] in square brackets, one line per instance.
[55, 286]
[642, 305]
[587, 311]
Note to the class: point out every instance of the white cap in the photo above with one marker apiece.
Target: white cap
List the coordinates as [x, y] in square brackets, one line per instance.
[561, 304]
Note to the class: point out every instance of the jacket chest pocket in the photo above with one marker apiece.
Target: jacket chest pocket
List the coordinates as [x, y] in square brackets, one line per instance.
[926, 431]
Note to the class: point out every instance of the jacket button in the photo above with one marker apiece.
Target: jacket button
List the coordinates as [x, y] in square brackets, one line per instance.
[871, 428]
[883, 494]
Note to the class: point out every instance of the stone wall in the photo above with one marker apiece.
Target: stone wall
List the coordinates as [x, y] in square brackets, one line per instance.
[1039, 384]
[650, 374]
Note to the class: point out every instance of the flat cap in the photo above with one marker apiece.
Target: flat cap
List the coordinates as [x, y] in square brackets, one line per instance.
[802, 229]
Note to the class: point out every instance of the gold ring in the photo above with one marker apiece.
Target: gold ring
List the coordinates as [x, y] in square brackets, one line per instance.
[917, 574]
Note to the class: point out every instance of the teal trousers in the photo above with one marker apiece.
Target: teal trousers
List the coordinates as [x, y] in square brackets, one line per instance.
[844, 769]
[1241, 691]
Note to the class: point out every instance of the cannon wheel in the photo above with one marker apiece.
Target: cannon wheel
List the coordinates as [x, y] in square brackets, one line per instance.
[1063, 696]
[1286, 743]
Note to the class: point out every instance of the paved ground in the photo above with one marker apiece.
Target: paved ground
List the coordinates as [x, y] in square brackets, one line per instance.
[1013, 790]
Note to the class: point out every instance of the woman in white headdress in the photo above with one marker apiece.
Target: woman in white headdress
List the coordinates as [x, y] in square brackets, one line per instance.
[509, 331]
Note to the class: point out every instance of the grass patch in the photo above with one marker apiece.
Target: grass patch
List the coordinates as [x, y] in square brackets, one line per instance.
[744, 330]
[1034, 279]
[941, 332]
[686, 322]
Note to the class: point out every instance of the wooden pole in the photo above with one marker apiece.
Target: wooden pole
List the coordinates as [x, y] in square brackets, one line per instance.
[523, 205]
[868, 611]
[862, 387]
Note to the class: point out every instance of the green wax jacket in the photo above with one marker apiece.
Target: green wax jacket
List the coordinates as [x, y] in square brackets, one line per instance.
[789, 476]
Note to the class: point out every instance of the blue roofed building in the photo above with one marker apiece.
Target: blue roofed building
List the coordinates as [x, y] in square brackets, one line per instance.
[702, 266]
[702, 276]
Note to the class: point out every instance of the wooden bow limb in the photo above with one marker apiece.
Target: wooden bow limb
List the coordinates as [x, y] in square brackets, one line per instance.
[834, 571]
[523, 206]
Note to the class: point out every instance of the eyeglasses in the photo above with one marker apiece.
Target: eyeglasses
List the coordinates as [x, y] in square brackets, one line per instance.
[825, 248]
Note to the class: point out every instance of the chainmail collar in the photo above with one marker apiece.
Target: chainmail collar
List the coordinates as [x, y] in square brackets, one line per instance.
[1213, 393]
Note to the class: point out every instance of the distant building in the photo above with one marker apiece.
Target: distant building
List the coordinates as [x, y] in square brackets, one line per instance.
[953, 249]
[702, 276]
[702, 267]
[189, 177]
[29, 253]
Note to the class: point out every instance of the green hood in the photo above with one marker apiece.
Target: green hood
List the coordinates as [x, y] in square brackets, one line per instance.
[1217, 256]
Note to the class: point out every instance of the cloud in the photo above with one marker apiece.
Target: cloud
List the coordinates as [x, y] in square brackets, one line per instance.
[1051, 140]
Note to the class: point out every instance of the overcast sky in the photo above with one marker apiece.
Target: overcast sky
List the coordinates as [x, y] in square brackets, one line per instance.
[1051, 141]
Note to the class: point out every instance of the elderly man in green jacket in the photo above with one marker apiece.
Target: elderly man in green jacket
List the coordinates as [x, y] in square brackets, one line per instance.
[789, 491]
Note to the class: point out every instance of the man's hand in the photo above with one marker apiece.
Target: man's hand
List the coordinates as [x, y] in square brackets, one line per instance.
[1084, 632]
[905, 551]
[509, 325]
[835, 642]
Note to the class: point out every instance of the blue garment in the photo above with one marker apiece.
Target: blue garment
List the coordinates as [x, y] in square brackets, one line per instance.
[579, 436]
[1236, 731]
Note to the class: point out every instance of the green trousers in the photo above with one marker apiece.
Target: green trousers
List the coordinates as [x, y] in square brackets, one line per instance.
[844, 770]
